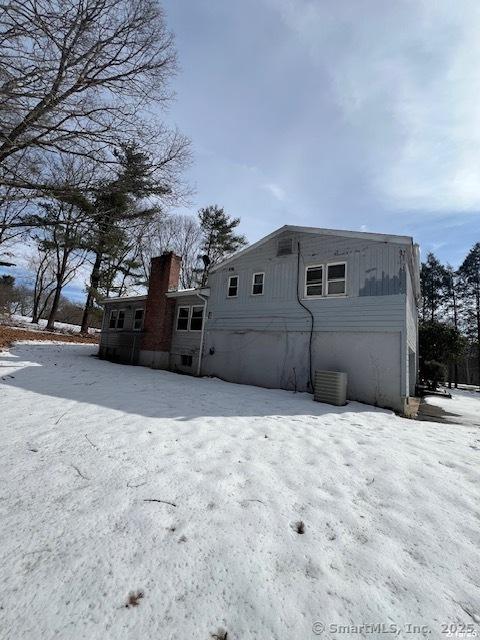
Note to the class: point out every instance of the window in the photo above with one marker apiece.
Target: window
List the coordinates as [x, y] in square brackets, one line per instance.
[120, 319]
[232, 287]
[257, 284]
[314, 281]
[336, 279]
[113, 319]
[138, 320]
[196, 319]
[182, 318]
[186, 360]
[117, 319]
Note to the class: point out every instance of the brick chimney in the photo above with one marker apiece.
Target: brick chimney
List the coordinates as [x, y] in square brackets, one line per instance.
[160, 310]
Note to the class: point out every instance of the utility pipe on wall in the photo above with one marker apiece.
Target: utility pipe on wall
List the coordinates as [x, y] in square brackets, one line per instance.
[204, 317]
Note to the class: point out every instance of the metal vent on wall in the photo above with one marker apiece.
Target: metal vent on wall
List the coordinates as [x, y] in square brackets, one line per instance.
[284, 247]
[330, 387]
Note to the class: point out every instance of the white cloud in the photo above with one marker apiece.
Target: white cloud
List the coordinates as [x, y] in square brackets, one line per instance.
[276, 190]
[405, 77]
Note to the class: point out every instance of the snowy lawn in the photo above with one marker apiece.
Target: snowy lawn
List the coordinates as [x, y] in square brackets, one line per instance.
[185, 496]
[462, 408]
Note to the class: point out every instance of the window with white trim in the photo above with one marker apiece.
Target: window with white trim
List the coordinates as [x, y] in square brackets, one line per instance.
[314, 281]
[196, 318]
[120, 318]
[113, 319]
[232, 290]
[183, 316]
[117, 319]
[138, 320]
[336, 278]
[257, 284]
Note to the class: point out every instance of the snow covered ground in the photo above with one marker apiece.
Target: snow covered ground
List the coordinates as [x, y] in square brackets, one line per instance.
[462, 408]
[60, 327]
[185, 496]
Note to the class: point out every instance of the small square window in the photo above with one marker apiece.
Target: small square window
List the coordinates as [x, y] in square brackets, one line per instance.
[113, 319]
[182, 318]
[121, 319]
[196, 319]
[232, 287]
[138, 320]
[257, 284]
[314, 281]
[336, 279]
[186, 361]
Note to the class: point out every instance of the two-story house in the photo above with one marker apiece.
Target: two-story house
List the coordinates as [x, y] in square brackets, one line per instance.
[299, 300]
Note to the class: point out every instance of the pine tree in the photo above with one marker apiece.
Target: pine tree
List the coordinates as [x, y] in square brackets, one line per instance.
[469, 272]
[117, 203]
[432, 276]
[219, 237]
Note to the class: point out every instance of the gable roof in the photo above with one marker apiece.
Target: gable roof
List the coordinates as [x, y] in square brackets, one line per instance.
[362, 235]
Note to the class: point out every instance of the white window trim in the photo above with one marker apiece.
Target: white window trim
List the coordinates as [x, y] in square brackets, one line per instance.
[117, 328]
[183, 306]
[140, 328]
[228, 285]
[196, 306]
[322, 295]
[258, 273]
[112, 311]
[344, 279]
[325, 293]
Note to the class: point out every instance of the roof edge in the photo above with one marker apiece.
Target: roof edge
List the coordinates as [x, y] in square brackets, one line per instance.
[366, 235]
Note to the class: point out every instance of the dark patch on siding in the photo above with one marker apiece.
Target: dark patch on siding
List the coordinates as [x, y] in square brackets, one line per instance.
[385, 285]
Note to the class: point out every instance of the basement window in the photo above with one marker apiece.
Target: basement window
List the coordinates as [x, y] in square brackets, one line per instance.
[232, 291]
[138, 320]
[196, 319]
[182, 318]
[187, 361]
[257, 284]
[314, 281]
[336, 279]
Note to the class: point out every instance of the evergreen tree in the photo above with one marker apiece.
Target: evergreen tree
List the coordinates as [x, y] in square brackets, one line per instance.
[469, 272]
[117, 207]
[219, 237]
[432, 276]
[453, 306]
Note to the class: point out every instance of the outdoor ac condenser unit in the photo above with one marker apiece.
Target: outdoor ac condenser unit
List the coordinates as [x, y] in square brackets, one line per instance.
[331, 387]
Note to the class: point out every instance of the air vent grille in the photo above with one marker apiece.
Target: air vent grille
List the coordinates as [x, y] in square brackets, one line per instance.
[331, 387]
[284, 247]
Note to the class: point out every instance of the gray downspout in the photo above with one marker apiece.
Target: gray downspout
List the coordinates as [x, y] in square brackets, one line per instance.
[200, 352]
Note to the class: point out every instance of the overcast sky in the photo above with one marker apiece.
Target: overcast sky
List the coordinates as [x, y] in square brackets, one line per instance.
[354, 115]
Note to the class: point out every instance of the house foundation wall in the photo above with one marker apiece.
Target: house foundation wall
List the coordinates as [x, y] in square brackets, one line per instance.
[277, 359]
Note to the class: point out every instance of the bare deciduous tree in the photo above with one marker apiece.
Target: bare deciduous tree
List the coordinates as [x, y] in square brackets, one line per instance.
[41, 264]
[75, 74]
[180, 234]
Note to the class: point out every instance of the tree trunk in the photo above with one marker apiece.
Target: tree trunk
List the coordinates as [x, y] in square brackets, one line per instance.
[54, 308]
[92, 291]
[477, 305]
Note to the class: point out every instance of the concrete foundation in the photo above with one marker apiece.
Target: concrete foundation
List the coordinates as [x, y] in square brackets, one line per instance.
[277, 359]
[154, 359]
